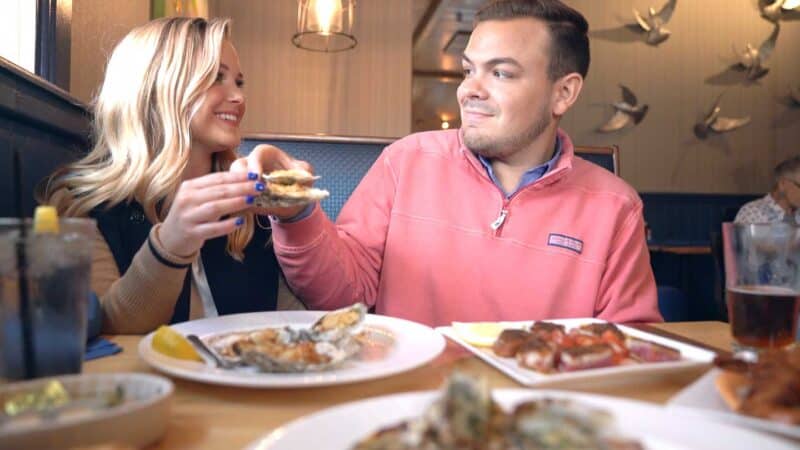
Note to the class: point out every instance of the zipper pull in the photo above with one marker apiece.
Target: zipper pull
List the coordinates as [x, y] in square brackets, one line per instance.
[500, 219]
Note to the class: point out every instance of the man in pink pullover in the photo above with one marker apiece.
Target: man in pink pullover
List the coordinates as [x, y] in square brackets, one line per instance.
[496, 221]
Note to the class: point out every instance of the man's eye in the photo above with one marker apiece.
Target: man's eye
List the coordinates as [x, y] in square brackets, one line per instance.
[501, 74]
[467, 71]
[240, 83]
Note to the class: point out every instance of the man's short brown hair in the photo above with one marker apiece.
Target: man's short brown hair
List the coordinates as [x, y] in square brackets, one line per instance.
[788, 168]
[569, 50]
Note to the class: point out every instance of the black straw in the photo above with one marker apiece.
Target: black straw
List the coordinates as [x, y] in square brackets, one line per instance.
[22, 275]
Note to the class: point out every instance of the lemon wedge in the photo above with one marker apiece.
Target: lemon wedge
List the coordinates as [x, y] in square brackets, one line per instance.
[481, 334]
[45, 220]
[171, 343]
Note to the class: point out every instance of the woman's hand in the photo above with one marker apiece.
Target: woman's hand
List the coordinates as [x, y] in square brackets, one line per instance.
[199, 204]
[264, 159]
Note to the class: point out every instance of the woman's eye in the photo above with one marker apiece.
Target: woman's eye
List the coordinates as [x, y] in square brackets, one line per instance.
[240, 83]
[220, 76]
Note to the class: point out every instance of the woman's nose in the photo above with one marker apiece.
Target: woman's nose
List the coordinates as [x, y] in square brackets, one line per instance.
[236, 95]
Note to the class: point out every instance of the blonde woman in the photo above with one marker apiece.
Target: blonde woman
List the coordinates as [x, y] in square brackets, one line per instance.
[177, 238]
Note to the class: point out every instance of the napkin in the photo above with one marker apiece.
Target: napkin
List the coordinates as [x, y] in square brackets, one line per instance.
[100, 347]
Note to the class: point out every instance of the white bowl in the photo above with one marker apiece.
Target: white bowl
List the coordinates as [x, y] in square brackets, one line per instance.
[140, 419]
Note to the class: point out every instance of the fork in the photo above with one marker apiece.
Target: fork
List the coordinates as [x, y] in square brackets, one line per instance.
[211, 354]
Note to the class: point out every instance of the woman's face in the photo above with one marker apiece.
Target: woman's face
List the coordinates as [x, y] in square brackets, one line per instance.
[215, 126]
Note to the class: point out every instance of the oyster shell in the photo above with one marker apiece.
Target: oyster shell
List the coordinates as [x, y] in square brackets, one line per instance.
[289, 188]
[330, 341]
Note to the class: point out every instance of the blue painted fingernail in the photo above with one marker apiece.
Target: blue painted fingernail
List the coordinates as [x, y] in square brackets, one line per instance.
[259, 187]
[252, 176]
[249, 199]
[239, 221]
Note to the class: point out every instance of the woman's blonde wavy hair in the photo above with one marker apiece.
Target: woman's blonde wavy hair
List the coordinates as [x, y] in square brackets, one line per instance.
[155, 81]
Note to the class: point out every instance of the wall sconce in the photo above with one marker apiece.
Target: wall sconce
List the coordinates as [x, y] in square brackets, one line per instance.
[325, 25]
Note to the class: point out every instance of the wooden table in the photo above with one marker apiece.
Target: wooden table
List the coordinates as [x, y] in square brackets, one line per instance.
[217, 417]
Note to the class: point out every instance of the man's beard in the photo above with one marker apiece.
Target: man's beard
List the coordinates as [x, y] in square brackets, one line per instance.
[491, 147]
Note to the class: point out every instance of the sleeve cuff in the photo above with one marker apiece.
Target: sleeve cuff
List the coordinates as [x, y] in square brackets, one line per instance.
[165, 257]
[300, 216]
[300, 233]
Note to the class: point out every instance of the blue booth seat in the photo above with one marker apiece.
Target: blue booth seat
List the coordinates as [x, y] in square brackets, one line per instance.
[673, 304]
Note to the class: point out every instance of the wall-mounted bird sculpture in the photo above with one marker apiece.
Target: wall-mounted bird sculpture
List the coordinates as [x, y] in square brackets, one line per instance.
[753, 60]
[773, 10]
[716, 123]
[654, 23]
[626, 112]
[794, 92]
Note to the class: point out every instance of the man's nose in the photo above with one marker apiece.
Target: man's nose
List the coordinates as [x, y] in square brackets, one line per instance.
[472, 87]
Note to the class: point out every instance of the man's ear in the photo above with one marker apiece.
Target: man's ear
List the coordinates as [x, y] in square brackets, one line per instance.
[565, 92]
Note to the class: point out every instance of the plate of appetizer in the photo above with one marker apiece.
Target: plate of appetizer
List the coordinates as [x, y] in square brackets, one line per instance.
[764, 395]
[289, 349]
[465, 414]
[537, 353]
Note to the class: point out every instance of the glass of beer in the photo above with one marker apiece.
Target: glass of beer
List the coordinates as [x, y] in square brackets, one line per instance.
[762, 278]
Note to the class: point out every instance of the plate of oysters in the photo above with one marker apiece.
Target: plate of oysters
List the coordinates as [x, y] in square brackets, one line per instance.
[466, 414]
[537, 353]
[293, 349]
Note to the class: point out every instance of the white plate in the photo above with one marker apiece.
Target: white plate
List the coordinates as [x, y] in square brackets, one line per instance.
[692, 357]
[139, 420]
[414, 344]
[340, 427]
[701, 398]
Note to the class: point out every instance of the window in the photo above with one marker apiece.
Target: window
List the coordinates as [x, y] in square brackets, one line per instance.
[18, 33]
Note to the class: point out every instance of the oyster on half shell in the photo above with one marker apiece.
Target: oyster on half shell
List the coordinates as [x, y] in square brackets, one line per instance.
[329, 342]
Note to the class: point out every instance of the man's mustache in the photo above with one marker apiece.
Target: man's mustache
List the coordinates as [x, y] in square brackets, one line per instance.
[478, 107]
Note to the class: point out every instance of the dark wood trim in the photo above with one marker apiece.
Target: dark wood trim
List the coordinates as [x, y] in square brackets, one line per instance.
[319, 138]
[27, 98]
[53, 41]
[612, 150]
[20, 72]
[425, 20]
[681, 249]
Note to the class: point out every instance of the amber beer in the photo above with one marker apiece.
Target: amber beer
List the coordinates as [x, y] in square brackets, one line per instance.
[763, 316]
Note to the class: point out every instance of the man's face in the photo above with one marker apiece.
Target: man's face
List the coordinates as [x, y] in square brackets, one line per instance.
[791, 190]
[506, 96]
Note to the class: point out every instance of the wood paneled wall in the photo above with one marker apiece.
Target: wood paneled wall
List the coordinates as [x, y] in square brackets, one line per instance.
[680, 80]
[362, 92]
[97, 26]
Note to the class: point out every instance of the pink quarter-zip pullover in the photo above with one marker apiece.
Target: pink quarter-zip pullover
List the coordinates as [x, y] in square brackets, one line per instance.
[427, 236]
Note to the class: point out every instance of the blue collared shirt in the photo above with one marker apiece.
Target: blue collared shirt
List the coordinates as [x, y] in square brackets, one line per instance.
[529, 176]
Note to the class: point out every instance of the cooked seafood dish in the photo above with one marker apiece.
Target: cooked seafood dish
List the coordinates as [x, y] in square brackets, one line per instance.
[769, 388]
[548, 347]
[465, 417]
[288, 188]
[329, 342]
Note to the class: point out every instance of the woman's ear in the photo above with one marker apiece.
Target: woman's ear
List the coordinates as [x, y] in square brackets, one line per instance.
[565, 92]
